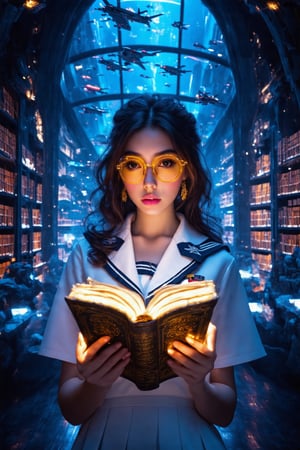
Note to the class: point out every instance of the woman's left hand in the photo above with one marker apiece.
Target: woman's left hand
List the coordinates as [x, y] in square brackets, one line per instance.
[194, 361]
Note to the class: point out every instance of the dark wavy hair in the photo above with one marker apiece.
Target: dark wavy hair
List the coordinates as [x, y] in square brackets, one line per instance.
[110, 212]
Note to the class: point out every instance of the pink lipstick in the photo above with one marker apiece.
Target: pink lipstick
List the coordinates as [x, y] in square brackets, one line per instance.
[150, 200]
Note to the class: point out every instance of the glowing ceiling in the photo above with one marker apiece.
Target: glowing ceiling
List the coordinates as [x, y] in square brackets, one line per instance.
[121, 49]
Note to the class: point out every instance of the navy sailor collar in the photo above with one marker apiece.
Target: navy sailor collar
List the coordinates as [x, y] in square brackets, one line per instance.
[185, 253]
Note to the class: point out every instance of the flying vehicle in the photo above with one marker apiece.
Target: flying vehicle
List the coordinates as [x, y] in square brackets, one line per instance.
[204, 98]
[132, 56]
[94, 110]
[180, 25]
[94, 88]
[111, 64]
[198, 45]
[216, 42]
[122, 16]
[171, 70]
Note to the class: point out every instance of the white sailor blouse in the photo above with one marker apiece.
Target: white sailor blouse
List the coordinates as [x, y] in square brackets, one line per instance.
[237, 338]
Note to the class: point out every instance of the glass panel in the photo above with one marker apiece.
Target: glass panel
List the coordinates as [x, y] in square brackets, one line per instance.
[96, 121]
[129, 47]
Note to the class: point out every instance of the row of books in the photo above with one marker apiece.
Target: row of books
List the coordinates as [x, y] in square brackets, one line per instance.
[288, 242]
[7, 181]
[262, 166]
[226, 175]
[36, 240]
[25, 243]
[31, 189]
[32, 162]
[228, 237]
[260, 194]
[36, 217]
[289, 216]
[6, 216]
[64, 193]
[29, 217]
[226, 199]
[294, 201]
[9, 104]
[264, 261]
[67, 222]
[228, 220]
[289, 148]
[25, 217]
[289, 182]
[261, 240]
[7, 142]
[260, 218]
[7, 244]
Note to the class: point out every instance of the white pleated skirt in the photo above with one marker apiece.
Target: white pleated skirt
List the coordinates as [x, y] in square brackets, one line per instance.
[147, 423]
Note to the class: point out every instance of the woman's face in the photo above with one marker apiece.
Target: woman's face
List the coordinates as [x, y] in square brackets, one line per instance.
[149, 194]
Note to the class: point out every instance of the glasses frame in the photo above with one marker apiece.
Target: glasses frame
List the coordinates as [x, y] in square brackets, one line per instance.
[182, 163]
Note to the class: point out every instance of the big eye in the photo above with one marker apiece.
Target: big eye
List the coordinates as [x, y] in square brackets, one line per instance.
[167, 163]
[132, 164]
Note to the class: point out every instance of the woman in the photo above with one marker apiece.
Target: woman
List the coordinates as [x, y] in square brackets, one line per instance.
[148, 230]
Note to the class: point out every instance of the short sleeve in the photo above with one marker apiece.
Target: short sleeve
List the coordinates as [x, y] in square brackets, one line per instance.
[61, 330]
[238, 340]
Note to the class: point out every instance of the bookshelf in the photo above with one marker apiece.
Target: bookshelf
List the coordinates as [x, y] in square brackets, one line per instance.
[288, 195]
[74, 188]
[223, 181]
[21, 180]
[262, 190]
[30, 186]
[8, 176]
[275, 200]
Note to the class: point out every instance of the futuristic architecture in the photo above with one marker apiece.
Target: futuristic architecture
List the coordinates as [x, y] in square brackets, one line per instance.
[66, 67]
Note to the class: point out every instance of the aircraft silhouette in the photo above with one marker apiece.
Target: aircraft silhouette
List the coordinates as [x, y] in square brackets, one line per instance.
[132, 56]
[180, 25]
[171, 70]
[205, 99]
[94, 110]
[112, 65]
[122, 16]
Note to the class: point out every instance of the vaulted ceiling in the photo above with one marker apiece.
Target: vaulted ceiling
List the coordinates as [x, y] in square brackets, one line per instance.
[83, 58]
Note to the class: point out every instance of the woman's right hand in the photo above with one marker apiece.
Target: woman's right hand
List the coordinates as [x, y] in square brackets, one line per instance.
[100, 364]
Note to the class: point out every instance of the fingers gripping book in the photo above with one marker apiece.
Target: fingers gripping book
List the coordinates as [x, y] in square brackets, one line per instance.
[174, 312]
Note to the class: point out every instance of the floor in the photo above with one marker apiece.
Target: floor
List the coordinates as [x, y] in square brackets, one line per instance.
[267, 415]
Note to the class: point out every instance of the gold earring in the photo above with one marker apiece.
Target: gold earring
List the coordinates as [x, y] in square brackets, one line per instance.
[124, 195]
[184, 191]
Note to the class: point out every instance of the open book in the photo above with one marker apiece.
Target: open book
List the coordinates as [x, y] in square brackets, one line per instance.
[174, 311]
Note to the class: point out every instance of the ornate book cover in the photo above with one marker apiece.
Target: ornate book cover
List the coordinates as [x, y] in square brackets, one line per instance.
[174, 311]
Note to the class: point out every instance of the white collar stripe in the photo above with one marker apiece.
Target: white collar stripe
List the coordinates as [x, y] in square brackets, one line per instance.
[176, 279]
[121, 277]
[146, 268]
